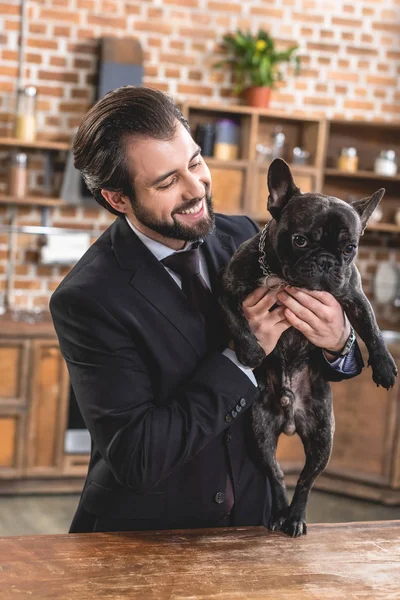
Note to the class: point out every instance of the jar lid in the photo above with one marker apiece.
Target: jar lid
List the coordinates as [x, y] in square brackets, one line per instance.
[30, 90]
[388, 154]
[227, 122]
[20, 158]
[349, 151]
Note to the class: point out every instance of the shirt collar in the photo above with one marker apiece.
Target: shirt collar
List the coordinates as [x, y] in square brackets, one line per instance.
[160, 250]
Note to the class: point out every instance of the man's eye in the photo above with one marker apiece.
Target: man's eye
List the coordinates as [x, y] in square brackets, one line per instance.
[300, 241]
[165, 187]
[195, 165]
[349, 249]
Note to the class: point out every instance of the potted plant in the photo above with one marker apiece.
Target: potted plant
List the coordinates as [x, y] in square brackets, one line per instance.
[254, 60]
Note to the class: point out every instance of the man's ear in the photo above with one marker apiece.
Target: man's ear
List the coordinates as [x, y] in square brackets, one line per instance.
[116, 200]
[366, 206]
[281, 187]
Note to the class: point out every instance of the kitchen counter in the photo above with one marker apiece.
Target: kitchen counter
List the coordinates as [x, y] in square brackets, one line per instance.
[352, 560]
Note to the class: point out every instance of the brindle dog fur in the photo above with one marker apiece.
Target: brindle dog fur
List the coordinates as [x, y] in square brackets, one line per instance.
[311, 243]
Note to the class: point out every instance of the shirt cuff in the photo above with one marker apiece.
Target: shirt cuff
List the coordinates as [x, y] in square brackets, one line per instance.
[246, 370]
[349, 364]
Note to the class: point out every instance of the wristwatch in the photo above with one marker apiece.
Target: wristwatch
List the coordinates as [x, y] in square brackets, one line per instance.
[347, 347]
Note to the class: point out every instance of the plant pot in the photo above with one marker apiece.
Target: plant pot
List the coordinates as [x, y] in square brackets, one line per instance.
[257, 96]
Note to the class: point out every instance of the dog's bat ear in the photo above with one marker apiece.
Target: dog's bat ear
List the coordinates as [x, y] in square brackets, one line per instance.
[366, 206]
[281, 187]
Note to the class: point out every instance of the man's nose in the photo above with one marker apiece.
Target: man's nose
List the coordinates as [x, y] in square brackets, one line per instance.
[194, 187]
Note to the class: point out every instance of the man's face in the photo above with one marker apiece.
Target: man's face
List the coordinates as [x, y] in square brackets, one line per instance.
[170, 179]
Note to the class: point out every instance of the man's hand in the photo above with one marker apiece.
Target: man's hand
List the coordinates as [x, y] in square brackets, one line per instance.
[318, 315]
[266, 326]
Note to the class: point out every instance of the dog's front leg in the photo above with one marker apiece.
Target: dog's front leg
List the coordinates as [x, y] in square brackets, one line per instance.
[248, 350]
[362, 317]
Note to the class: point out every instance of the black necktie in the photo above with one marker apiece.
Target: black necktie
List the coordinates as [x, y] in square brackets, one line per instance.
[187, 266]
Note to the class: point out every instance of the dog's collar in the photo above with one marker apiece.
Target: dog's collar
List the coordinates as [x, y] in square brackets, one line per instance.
[270, 280]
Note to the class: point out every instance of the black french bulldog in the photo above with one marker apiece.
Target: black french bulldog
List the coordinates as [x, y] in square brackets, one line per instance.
[311, 243]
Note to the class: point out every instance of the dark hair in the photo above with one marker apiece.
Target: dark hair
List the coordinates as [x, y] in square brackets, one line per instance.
[99, 145]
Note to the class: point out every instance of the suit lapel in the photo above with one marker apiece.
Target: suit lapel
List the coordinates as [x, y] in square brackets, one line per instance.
[152, 281]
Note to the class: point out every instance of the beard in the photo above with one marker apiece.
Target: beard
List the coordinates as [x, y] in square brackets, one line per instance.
[177, 230]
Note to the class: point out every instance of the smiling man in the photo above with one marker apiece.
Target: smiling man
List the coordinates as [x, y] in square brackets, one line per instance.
[163, 396]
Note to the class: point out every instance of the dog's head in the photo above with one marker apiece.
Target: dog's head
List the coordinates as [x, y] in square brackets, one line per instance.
[315, 237]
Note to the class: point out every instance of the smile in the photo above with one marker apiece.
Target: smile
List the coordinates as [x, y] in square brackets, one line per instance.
[194, 210]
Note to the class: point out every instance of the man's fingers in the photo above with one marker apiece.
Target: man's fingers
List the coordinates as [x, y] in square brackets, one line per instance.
[260, 300]
[301, 311]
[254, 297]
[307, 300]
[297, 323]
[324, 297]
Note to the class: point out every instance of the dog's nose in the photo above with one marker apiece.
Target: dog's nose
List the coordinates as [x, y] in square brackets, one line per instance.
[325, 262]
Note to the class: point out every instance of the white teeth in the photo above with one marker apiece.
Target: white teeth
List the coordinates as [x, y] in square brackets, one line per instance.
[192, 211]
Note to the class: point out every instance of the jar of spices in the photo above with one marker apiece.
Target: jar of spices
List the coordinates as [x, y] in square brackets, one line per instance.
[25, 124]
[227, 134]
[17, 183]
[205, 137]
[348, 160]
[385, 163]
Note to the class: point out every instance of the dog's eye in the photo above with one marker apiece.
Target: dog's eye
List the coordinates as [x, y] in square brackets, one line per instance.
[349, 249]
[300, 241]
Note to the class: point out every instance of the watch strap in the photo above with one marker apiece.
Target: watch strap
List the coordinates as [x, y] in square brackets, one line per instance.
[347, 347]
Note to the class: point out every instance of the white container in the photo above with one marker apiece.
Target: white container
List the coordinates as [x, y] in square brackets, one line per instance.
[386, 164]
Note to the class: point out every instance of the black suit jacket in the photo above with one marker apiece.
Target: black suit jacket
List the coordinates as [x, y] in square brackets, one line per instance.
[157, 402]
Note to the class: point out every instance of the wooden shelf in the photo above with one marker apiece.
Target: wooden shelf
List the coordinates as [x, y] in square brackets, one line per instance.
[389, 227]
[384, 227]
[296, 169]
[37, 144]
[361, 175]
[31, 201]
[250, 110]
[226, 164]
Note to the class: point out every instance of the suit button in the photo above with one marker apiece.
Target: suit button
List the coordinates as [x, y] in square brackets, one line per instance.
[219, 497]
[228, 419]
[234, 414]
[242, 402]
[238, 408]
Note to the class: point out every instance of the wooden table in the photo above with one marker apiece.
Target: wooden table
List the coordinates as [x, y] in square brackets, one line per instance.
[338, 561]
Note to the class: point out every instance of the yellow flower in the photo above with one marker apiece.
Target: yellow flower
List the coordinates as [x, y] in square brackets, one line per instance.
[261, 45]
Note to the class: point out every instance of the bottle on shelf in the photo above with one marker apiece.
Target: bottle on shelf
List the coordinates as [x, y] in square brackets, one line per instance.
[385, 163]
[227, 134]
[348, 160]
[25, 123]
[18, 175]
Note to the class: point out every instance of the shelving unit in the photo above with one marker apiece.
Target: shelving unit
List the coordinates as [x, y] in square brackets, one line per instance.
[31, 201]
[239, 187]
[36, 145]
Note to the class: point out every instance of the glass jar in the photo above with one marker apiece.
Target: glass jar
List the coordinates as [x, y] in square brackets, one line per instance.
[205, 137]
[227, 134]
[348, 160]
[17, 182]
[385, 163]
[25, 124]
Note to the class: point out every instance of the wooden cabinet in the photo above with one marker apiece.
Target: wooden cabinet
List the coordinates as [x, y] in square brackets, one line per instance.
[365, 460]
[34, 395]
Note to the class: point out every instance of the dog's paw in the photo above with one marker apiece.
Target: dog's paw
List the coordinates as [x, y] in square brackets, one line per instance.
[250, 357]
[294, 526]
[384, 370]
[276, 520]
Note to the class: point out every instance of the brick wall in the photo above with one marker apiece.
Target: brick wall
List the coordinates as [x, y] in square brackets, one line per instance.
[350, 54]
